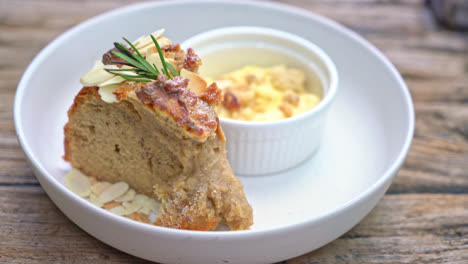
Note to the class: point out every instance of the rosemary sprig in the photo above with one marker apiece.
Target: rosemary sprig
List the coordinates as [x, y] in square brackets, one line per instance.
[141, 70]
[161, 56]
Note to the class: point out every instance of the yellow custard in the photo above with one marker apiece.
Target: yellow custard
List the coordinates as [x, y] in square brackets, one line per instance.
[255, 93]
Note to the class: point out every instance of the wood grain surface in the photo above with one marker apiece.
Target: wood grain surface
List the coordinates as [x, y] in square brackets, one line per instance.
[423, 218]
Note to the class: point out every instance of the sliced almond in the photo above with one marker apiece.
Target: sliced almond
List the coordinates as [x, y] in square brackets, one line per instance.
[131, 207]
[111, 205]
[145, 40]
[97, 76]
[150, 51]
[114, 67]
[107, 93]
[128, 196]
[153, 50]
[99, 187]
[114, 191]
[140, 198]
[138, 41]
[144, 49]
[117, 198]
[158, 33]
[98, 65]
[196, 83]
[150, 206]
[94, 200]
[118, 210]
[78, 183]
[114, 80]
[155, 60]
[164, 43]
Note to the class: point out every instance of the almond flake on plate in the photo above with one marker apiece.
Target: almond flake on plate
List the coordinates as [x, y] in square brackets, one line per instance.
[117, 198]
[99, 187]
[111, 205]
[140, 198]
[118, 210]
[131, 207]
[128, 196]
[114, 191]
[78, 183]
[150, 206]
[94, 200]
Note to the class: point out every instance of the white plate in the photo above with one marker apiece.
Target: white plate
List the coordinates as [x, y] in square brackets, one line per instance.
[368, 134]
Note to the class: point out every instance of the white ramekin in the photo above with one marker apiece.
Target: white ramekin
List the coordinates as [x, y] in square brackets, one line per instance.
[266, 147]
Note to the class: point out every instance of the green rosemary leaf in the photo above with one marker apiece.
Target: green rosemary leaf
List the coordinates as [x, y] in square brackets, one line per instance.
[147, 76]
[121, 63]
[133, 47]
[136, 78]
[142, 70]
[130, 60]
[134, 58]
[161, 56]
[131, 70]
[172, 69]
[156, 69]
[140, 58]
[122, 49]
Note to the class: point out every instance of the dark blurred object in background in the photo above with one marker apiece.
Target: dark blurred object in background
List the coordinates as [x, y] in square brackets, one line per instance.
[450, 13]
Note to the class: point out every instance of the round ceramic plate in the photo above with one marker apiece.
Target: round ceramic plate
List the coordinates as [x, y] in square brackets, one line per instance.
[368, 133]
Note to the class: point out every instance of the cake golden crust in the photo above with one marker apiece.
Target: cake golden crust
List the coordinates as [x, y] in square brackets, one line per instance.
[182, 105]
[172, 98]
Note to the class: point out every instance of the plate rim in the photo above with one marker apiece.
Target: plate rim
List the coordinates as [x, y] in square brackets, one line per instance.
[387, 175]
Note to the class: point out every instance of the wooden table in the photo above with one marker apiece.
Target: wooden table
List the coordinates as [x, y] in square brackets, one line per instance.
[423, 218]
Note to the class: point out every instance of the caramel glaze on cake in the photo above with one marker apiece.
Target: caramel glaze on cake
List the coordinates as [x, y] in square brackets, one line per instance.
[164, 140]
